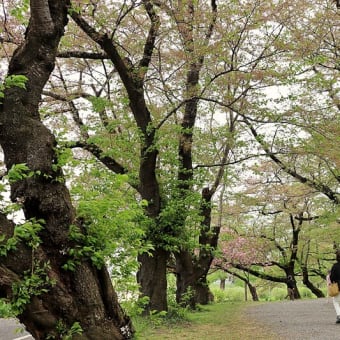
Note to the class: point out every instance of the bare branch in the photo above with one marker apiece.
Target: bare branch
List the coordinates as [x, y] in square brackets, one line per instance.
[150, 41]
[83, 55]
[311, 183]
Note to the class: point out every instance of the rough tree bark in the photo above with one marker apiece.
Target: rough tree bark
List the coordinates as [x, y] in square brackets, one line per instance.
[84, 295]
[191, 273]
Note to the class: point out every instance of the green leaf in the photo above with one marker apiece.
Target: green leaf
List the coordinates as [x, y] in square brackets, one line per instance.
[18, 172]
[16, 80]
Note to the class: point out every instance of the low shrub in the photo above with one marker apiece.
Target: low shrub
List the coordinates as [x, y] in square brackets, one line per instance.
[277, 294]
[5, 310]
[274, 294]
[229, 294]
[305, 293]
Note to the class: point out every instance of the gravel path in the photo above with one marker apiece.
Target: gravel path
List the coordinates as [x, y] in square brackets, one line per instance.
[288, 320]
[10, 329]
[298, 320]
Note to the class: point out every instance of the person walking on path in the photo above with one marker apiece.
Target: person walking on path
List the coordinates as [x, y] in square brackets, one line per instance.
[335, 277]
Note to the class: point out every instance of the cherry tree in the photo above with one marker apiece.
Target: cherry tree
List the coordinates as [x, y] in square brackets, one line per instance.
[50, 299]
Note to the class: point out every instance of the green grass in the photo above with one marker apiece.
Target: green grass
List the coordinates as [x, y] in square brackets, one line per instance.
[220, 321]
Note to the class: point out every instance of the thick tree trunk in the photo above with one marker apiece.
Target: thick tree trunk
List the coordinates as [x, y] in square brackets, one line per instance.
[61, 297]
[203, 294]
[184, 279]
[191, 270]
[192, 291]
[296, 293]
[191, 282]
[152, 279]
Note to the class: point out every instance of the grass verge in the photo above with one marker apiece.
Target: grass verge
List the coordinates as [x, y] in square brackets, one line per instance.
[222, 321]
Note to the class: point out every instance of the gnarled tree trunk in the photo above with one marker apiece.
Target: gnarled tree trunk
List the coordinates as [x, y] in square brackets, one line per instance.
[152, 280]
[191, 281]
[62, 297]
[191, 272]
[305, 279]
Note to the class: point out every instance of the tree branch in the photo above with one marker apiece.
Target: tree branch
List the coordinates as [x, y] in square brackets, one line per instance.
[258, 274]
[150, 41]
[83, 55]
[327, 191]
[96, 151]
[41, 17]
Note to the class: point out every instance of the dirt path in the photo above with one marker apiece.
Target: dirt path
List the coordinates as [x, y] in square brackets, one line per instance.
[297, 320]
